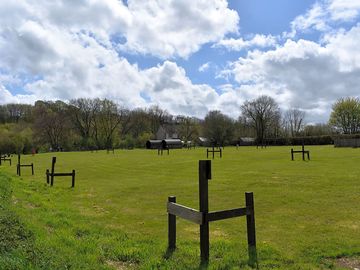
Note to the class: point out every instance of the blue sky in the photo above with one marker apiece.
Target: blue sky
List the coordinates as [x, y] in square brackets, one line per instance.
[187, 56]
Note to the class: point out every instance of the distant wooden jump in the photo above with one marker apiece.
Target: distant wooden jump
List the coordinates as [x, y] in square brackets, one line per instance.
[161, 149]
[4, 158]
[203, 216]
[213, 151]
[19, 165]
[51, 175]
[302, 151]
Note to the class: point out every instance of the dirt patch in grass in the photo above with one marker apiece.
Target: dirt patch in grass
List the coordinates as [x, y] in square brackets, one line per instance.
[349, 263]
[119, 265]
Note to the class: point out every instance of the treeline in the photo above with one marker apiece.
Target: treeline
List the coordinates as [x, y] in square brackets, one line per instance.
[83, 124]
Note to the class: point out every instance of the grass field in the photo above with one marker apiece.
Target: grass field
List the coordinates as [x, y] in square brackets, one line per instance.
[307, 213]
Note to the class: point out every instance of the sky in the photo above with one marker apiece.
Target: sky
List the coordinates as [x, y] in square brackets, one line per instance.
[186, 56]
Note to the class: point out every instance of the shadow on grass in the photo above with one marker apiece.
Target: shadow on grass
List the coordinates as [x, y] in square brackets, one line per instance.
[168, 253]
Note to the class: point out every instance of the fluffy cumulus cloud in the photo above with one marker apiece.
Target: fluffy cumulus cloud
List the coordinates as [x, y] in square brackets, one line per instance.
[67, 49]
[177, 28]
[258, 40]
[326, 13]
[303, 74]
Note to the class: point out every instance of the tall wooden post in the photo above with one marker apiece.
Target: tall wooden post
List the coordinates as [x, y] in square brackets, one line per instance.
[52, 170]
[73, 179]
[292, 154]
[250, 221]
[204, 176]
[303, 151]
[171, 227]
[32, 168]
[47, 176]
[18, 166]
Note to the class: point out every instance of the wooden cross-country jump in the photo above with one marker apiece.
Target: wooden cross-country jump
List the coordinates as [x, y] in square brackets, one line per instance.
[3, 158]
[203, 216]
[50, 175]
[302, 151]
[213, 151]
[19, 165]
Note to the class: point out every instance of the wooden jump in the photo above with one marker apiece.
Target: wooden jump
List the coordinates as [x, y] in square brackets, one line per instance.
[213, 151]
[51, 175]
[19, 165]
[203, 216]
[3, 158]
[302, 151]
[161, 149]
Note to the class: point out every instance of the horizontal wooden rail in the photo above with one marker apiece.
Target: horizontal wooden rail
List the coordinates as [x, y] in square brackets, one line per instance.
[218, 215]
[61, 174]
[185, 212]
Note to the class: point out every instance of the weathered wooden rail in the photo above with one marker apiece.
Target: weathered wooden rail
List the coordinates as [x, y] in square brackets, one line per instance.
[51, 175]
[213, 151]
[19, 166]
[203, 216]
[302, 151]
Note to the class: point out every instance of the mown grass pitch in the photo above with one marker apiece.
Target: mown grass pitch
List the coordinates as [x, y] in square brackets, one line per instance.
[307, 213]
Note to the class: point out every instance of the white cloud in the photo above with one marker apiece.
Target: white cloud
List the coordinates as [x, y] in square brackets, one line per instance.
[70, 49]
[324, 13]
[262, 41]
[204, 67]
[177, 28]
[169, 87]
[302, 73]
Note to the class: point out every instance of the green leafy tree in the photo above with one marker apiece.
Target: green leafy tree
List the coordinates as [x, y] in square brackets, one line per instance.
[345, 115]
[218, 128]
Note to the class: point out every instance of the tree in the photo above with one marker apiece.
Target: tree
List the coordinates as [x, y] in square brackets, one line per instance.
[294, 121]
[52, 123]
[218, 128]
[107, 120]
[263, 113]
[158, 117]
[345, 115]
[82, 113]
[188, 127]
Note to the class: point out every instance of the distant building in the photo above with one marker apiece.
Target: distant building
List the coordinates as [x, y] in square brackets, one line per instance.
[246, 141]
[167, 131]
[202, 141]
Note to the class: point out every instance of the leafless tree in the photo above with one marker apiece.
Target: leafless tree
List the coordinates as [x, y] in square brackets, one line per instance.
[263, 113]
[294, 120]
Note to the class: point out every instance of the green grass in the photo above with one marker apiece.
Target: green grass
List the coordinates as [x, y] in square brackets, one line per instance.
[307, 213]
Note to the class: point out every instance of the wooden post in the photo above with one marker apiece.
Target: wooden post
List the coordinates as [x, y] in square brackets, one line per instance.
[32, 168]
[204, 175]
[47, 176]
[207, 152]
[171, 227]
[73, 179]
[308, 155]
[18, 166]
[52, 170]
[250, 221]
[213, 152]
[220, 152]
[292, 154]
[303, 152]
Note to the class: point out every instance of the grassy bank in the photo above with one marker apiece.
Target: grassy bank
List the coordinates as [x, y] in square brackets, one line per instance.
[307, 213]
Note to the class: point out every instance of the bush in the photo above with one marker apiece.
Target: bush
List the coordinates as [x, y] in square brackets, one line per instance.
[309, 140]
